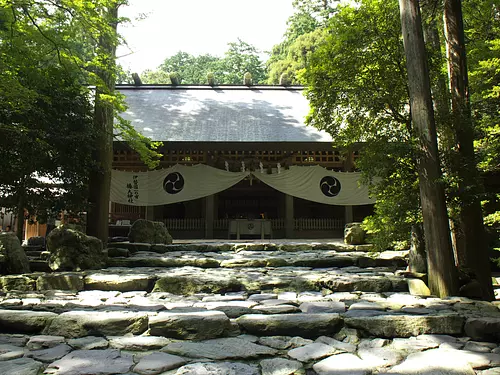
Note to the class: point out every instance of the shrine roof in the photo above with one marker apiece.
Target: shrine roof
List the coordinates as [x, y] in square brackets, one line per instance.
[220, 113]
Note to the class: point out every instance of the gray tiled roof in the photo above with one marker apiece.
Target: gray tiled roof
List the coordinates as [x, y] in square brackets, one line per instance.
[220, 114]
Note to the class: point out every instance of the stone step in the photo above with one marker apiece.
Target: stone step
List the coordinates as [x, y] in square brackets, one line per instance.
[247, 355]
[207, 316]
[312, 332]
[223, 246]
[192, 280]
[259, 258]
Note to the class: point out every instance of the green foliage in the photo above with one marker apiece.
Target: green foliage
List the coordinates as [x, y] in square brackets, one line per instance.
[296, 57]
[357, 89]
[192, 70]
[239, 59]
[482, 27]
[50, 54]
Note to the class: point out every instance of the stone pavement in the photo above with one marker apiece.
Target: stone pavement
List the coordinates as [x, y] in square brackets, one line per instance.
[236, 309]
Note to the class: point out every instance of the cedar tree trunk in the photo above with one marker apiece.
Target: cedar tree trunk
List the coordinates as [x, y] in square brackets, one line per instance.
[442, 275]
[100, 179]
[474, 255]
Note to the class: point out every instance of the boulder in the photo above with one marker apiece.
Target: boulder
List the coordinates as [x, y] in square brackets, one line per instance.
[354, 234]
[15, 259]
[72, 250]
[152, 232]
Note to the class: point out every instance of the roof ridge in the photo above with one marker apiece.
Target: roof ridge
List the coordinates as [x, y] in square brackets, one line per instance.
[207, 87]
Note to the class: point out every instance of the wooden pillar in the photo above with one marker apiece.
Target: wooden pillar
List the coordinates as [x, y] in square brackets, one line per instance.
[150, 213]
[349, 215]
[289, 219]
[349, 167]
[209, 216]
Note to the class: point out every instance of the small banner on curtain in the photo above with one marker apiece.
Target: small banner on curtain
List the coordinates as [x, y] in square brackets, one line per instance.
[177, 184]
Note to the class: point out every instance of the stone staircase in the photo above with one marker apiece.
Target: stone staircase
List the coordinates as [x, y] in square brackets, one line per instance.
[241, 308]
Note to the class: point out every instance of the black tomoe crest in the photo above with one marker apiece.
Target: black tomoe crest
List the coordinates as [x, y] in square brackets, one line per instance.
[173, 183]
[330, 186]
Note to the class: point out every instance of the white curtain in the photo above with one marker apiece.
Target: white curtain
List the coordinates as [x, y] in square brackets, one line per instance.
[176, 184]
[320, 185]
[183, 183]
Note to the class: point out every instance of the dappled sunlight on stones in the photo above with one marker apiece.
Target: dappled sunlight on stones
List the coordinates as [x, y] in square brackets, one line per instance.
[8, 352]
[305, 325]
[96, 362]
[240, 319]
[342, 364]
[24, 366]
[311, 352]
[223, 348]
[189, 325]
[279, 366]
[156, 363]
[223, 368]
[79, 323]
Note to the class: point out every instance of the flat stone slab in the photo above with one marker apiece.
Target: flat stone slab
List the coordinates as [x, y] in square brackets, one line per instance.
[123, 281]
[221, 368]
[407, 325]
[24, 321]
[190, 325]
[138, 343]
[343, 364]
[87, 323]
[88, 343]
[311, 352]
[21, 366]
[95, 362]
[8, 352]
[157, 363]
[304, 325]
[279, 366]
[220, 349]
[434, 361]
[483, 329]
[50, 354]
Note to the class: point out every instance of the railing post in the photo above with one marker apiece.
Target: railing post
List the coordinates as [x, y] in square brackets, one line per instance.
[209, 216]
[289, 222]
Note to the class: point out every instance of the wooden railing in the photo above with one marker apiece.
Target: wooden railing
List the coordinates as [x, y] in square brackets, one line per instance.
[276, 224]
[185, 224]
[221, 224]
[318, 224]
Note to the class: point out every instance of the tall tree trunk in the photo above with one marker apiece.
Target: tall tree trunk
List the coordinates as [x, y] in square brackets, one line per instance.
[443, 280]
[474, 255]
[100, 179]
[446, 134]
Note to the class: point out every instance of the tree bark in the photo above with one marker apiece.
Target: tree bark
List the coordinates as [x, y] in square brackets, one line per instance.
[100, 179]
[443, 280]
[474, 255]
[446, 134]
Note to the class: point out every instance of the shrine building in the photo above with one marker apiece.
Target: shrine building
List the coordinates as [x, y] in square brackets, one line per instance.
[238, 162]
